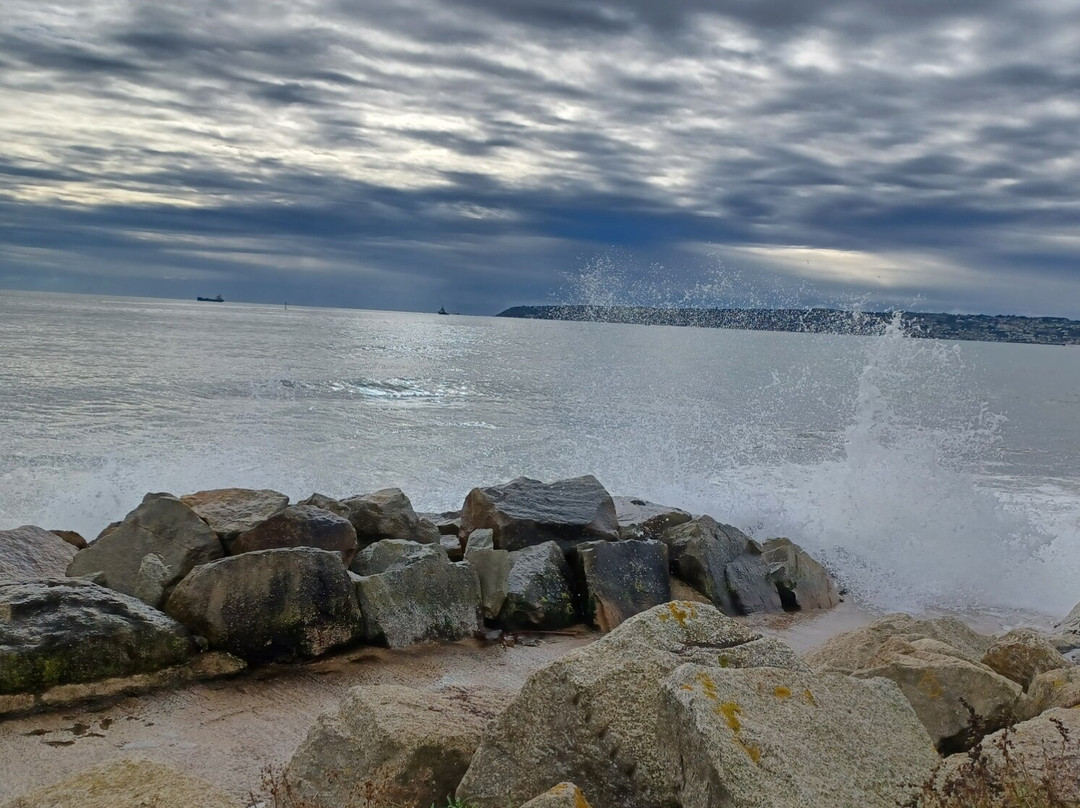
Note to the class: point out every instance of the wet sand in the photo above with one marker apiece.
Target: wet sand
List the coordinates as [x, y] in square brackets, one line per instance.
[228, 732]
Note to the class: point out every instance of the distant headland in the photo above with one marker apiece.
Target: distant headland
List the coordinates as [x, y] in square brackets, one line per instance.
[983, 327]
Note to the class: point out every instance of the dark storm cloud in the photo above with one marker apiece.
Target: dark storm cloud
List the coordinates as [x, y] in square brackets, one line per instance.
[402, 151]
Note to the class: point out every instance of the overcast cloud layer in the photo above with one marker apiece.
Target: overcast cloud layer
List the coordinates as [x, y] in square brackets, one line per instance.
[474, 153]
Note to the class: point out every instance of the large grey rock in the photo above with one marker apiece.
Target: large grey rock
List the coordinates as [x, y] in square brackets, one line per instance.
[153, 579]
[162, 525]
[318, 500]
[590, 717]
[388, 514]
[1057, 688]
[1022, 654]
[853, 650]
[399, 745]
[270, 604]
[641, 519]
[774, 738]
[724, 564]
[389, 554]
[300, 526]
[1033, 764]
[232, 511]
[426, 600]
[801, 581]
[958, 701]
[65, 630]
[128, 783]
[29, 552]
[748, 581]
[539, 594]
[492, 568]
[526, 512]
[620, 579]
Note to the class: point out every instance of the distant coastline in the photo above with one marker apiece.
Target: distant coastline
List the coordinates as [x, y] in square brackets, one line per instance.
[981, 327]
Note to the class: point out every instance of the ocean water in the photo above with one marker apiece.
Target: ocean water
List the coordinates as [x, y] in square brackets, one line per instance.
[928, 475]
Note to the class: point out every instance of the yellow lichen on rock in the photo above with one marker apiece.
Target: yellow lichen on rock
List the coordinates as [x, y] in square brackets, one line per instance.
[730, 710]
[680, 611]
[782, 692]
[930, 685]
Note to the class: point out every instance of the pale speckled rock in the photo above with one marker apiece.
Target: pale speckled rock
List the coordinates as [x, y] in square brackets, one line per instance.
[852, 650]
[412, 746]
[620, 579]
[641, 519]
[539, 594]
[1022, 654]
[57, 631]
[270, 604]
[1057, 688]
[773, 738]
[492, 568]
[162, 525]
[1043, 755]
[590, 717]
[30, 552]
[300, 526]
[388, 514]
[427, 600]
[232, 511]
[801, 581]
[1071, 623]
[526, 512]
[129, 783]
[957, 701]
[563, 795]
[152, 580]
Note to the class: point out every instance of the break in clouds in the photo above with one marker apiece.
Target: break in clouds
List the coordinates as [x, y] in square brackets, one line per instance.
[472, 153]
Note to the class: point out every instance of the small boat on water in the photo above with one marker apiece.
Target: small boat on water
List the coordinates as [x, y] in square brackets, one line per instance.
[442, 310]
[218, 299]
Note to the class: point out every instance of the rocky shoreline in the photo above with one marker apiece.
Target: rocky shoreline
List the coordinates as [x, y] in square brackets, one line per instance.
[679, 701]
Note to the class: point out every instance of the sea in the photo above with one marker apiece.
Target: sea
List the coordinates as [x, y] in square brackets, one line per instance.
[927, 475]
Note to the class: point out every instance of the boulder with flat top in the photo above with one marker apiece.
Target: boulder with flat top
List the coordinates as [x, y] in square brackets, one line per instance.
[526, 512]
[641, 519]
[232, 511]
[388, 514]
[622, 578]
[300, 526]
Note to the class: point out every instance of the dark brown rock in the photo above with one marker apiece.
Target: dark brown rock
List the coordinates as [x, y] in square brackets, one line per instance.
[300, 526]
[621, 579]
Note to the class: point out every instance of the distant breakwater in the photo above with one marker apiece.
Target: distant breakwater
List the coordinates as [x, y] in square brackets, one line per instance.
[927, 325]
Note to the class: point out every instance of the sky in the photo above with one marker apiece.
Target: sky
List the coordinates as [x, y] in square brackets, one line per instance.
[479, 154]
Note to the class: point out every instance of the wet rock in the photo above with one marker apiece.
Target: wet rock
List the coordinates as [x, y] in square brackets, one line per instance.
[1056, 688]
[30, 552]
[402, 746]
[563, 795]
[853, 650]
[57, 631]
[388, 514]
[1022, 654]
[270, 605]
[492, 568]
[773, 738]
[128, 784]
[392, 554]
[161, 525]
[590, 717]
[527, 512]
[539, 595]
[621, 579]
[641, 519]
[748, 581]
[1034, 763]
[317, 500]
[801, 581]
[232, 511]
[723, 563]
[958, 701]
[72, 537]
[300, 526]
[424, 599]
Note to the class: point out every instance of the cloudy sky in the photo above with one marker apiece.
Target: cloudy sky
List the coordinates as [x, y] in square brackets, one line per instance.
[483, 153]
